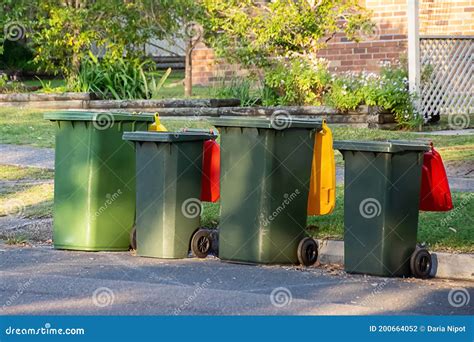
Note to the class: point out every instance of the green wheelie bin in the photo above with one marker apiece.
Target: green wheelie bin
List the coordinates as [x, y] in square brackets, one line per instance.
[382, 181]
[94, 182]
[265, 175]
[168, 168]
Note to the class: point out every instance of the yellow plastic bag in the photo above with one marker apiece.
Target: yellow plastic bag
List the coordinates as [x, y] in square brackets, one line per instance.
[157, 126]
[322, 187]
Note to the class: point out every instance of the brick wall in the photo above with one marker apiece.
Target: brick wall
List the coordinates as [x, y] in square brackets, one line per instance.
[447, 17]
[387, 43]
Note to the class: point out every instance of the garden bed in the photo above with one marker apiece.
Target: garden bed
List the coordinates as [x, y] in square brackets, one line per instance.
[362, 116]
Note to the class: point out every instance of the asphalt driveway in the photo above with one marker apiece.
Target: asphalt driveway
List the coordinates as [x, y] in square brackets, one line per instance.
[44, 281]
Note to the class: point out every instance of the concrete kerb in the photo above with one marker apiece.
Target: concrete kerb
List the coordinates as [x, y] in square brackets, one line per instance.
[445, 265]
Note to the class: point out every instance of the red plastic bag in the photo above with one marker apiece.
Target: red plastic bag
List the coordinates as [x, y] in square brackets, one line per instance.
[211, 165]
[435, 194]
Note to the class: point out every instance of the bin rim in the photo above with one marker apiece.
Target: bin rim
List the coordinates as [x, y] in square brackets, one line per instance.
[87, 115]
[167, 137]
[276, 123]
[385, 146]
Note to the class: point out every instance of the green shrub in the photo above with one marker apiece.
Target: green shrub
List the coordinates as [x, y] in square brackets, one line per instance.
[237, 88]
[3, 80]
[119, 78]
[345, 92]
[393, 94]
[7, 86]
[299, 81]
[302, 81]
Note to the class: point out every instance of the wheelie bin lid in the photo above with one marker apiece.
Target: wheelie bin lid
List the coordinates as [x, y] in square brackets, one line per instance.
[278, 123]
[78, 115]
[388, 146]
[167, 137]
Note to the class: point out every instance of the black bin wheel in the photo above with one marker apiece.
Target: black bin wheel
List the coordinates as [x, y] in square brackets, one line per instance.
[307, 251]
[201, 243]
[420, 263]
[133, 238]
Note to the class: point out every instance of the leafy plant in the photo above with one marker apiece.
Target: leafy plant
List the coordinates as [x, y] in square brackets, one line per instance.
[298, 81]
[3, 80]
[152, 86]
[7, 86]
[344, 93]
[388, 90]
[62, 33]
[47, 87]
[393, 94]
[238, 88]
[253, 33]
[119, 78]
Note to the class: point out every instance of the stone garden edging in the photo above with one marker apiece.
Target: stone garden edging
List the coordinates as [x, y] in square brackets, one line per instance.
[363, 116]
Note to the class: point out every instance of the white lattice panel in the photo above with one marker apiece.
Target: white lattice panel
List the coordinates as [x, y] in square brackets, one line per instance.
[449, 87]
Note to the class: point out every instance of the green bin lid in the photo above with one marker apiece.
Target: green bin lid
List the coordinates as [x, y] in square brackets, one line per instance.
[388, 146]
[278, 123]
[167, 137]
[96, 116]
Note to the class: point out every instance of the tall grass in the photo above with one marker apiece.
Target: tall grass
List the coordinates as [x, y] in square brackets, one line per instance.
[121, 78]
[238, 88]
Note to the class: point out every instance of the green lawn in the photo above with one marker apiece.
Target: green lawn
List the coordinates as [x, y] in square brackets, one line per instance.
[443, 231]
[26, 197]
[449, 231]
[451, 148]
[25, 127]
[13, 173]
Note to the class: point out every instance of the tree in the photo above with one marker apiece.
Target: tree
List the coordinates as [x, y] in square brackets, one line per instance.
[62, 32]
[253, 33]
[278, 41]
[193, 34]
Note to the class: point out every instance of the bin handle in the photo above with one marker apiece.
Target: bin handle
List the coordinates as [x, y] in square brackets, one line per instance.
[324, 128]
